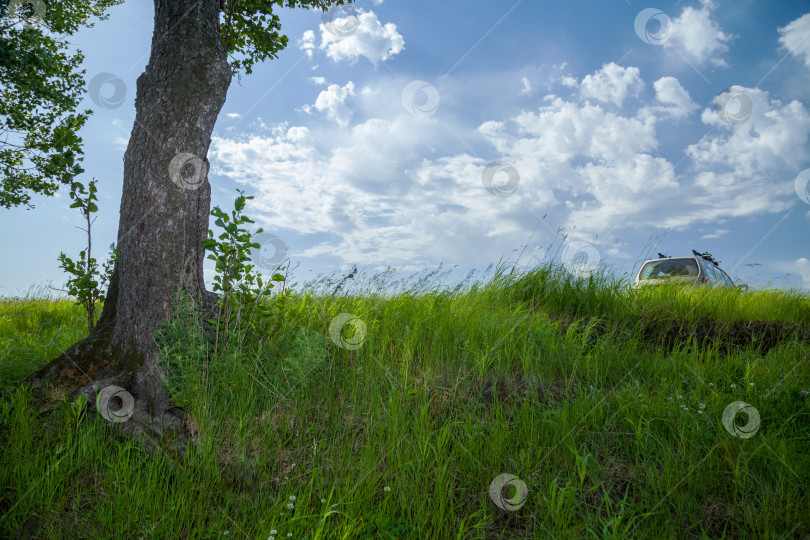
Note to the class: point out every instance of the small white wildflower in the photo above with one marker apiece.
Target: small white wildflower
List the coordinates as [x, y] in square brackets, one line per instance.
[290, 506]
[323, 501]
[271, 537]
[289, 534]
[733, 385]
[680, 396]
[292, 497]
[273, 531]
[702, 405]
[751, 385]
[700, 412]
[711, 384]
[386, 488]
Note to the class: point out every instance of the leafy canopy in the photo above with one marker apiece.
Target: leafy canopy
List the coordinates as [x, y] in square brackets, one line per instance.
[40, 85]
[250, 29]
[41, 81]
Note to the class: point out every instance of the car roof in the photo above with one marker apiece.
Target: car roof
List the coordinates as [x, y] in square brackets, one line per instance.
[670, 258]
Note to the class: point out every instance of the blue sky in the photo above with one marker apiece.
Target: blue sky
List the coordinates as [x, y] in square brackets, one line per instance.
[412, 134]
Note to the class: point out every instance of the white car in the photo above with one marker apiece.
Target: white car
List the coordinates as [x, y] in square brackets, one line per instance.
[700, 269]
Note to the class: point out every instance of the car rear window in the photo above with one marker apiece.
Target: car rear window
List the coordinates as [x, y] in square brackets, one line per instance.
[715, 272]
[669, 268]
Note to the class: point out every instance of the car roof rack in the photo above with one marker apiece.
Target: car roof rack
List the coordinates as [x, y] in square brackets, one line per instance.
[707, 256]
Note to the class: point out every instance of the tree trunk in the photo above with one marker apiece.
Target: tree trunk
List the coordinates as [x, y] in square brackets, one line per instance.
[164, 211]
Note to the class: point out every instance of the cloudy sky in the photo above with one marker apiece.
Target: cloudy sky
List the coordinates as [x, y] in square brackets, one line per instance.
[409, 134]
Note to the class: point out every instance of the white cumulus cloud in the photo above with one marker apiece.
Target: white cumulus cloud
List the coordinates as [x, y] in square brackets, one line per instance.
[526, 87]
[670, 92]
[802, 266]
[697, 35]
[371, 39]
[332, 101]
[395, 188]
[365, 195]
[612, 84]
[795, 37]
[307, 43]
[748, 167]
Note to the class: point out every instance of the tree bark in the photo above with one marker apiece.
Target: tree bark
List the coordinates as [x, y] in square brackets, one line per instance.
[164, 208]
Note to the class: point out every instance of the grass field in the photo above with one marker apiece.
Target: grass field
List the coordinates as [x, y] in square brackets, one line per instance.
[607, 404]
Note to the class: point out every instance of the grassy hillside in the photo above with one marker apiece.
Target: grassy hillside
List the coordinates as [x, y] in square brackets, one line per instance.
[606, 403]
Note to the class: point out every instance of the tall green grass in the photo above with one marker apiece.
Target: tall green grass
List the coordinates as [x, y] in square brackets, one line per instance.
[558, 381]
[35, 329]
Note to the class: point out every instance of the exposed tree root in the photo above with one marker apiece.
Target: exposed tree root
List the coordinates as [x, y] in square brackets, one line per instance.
[93, 363]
